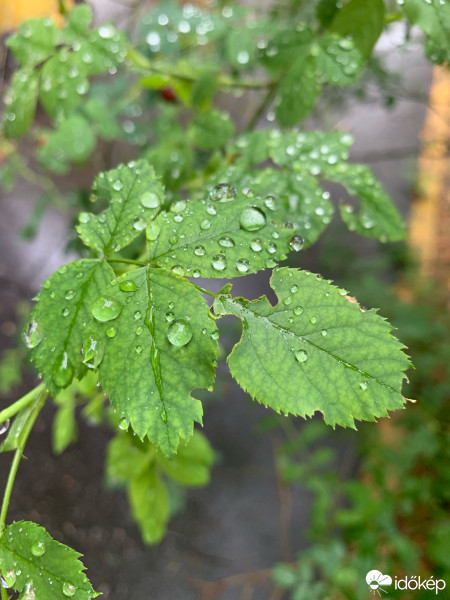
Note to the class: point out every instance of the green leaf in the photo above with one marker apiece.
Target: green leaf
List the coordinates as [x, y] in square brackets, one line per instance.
[127, 458]
[73, 142]
[326, 11]
[338, 60]
[63, 84]
[433, 17]
[160, 347]
[18, 429]
[40, 567]
[316, 350]
[105, 49]
[362, 21]
[377, 217]
[149, 502]
[192, 463]
[34, 42]
[20, 101]
[64, 427]
[211, 130]
[59, 321]
[228, 235]
[103, 122]
[240, 48]
[77, 23]
[204, 89]
[284, 46]
[297, 92]
[135, 195]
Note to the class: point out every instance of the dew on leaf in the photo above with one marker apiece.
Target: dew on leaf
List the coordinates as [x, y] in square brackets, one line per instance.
[38, 548]
[296, 243]
[4, 426]
[65, 312]
[179, 333]
[170, 317]
[106, 309]
[200, 251]
[242, 265]
[218, 262]
[287, 300]
[252, 219]
[9, 578]
[223, 192]
[313, 320]
[139, 225]
[294, 289]
[173, 239]
[70, 295]
[92, 352]
[137, 315]
[62, 370]
[28, 592]
[139, 330]
[152, 231]
[138, 349]
[256, 245]
[270, 263]
[205, 224]
[124, 423]
[298, 310]
[128, 286]
[196, 273]
[68, 589]
[226, 242]
[111, 332]
[150, 200]
[215, 335]
[364, 385]
[271, 248]
[270, 202]
[117, 185]
[301, 356]
[324, 332]
[178, 270]
[33, 335]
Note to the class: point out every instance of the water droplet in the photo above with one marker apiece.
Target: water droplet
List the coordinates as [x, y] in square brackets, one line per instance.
[139, 225]
[150, 200]
[170, 317]
[173, 239]
[38, 548]
[179, 333]
[128, 286]
[4, 426]
[92, 352]
[196, 273]
[298, 310]
[296, 243]
[137, 315]
[226, 242]
[106, 309]
[242, 265]
[364, 385]
[215, 335]
[28, 592]
[301, 356]
[117, 185]
[270, 263]
[70, 295]
[256, 245]
[178, 270]
[271, 248]
[124, 423]
[294, 289]
[270, 202]
[111, 332]
[252, 219]
[223, 192]
[33, 335]
[152, 231]
[138, 349]
[65, 312]
[62, 370]
[139, 330]
[163, 414]
[324, 332]
[313, 320]
[200, 251]
[218, 262]
[170, 305]
[10, 578]
[205, 224]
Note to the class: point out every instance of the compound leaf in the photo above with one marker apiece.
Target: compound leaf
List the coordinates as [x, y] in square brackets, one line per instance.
[433, 17]
[77, 23]
[228, 235]
[34, 42]
[316, 350]
[135, 195]
[20, 101]
[362, 21]
[59, 320]
[40, 567]
[149, 501]
[377, 217]
[73, 142]
[161, 345]
[103, 50]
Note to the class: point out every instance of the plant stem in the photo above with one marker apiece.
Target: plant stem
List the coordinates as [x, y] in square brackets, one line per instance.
[40, 394]
[204, 290]
[262, 107]
[128, 261]
[14, 408]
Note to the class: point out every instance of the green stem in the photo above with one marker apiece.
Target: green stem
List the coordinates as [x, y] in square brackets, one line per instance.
[261, 109]
[204, 290]
[40, 394]
[147, 66]
[128, 261]
[13, 409]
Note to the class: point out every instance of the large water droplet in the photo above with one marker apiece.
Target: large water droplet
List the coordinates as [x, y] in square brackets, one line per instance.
[179, 333]
[256, 245]
[298, 310]
[205, 224]
[117, 185]
[242, 265]
[62, 370]
[200, 251]
[106, 309]
[33, 335]
[128, 286]
[226, 242]
[4, 426]
[139, 224]
[152, 231]
[301, 356]
[218, 262]
[68, 589]
[150, 200]
[38, 548]
[223, 192]
[252, 219]
[270, 202]
[92, 352]
[296, 243]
